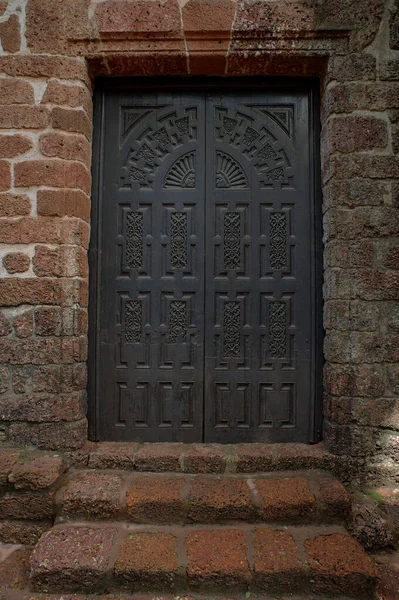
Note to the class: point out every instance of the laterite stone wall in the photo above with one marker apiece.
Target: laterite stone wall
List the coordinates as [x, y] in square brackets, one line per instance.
[51, 53]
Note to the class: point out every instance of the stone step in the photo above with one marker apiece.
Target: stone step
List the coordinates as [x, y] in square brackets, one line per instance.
[224, 559]
[207, 458]
[292, 497]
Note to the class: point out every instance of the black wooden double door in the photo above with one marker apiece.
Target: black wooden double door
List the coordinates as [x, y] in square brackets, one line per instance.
[205, 272]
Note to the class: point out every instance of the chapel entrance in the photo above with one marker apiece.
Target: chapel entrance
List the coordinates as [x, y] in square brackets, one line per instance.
[205, 277]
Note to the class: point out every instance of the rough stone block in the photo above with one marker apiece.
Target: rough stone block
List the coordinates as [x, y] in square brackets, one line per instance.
[37, 473]
[148, 559]
[339, 565]
[286, 498]
[159, 457]
[14, 570]
[16, 262]
[72, 559]
[277, 565]
[218, 499]
[92, 495]
[156, 500]
[205, 458]
[217, 558]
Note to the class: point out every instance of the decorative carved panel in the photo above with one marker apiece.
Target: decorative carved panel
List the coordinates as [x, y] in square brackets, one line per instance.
[134, 240]
[133, 321]
[232, 329]
[278, 240]
[232, 240]
[178, 235]
[277, 329]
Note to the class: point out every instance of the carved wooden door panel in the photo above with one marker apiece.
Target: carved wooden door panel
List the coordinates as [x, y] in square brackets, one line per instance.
[205, 322]
[258, 269]
[152, 271]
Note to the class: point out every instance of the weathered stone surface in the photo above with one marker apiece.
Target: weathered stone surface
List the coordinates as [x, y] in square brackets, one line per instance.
[276, 561]
[8, 459]
[287, 498]
[217, 557]
[369, 526]
[148, 559]
[204, 458]
[37, 473]
[335, 499]
[159, 457]
[29, 505]
[16, 262]
[92, 495]
[156, 500]
[218, 499]
[23, 532]
[113, 455]
[72, 559]
[339, 565]
[14, 570]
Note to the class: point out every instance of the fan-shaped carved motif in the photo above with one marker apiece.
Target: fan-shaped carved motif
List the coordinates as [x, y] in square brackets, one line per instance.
[229, 173]
[182, 173]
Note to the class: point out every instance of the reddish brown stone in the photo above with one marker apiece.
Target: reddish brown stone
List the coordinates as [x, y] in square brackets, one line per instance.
[72, 559]
[13, 205]
[335, 498]
[69, 147]
[43, 407]
[48, 321]
[14, 570]
[217, 557]
[217, 499]
[23, 324]
[23, 532]
[26, 506]
[302, 456]
[204, 458]
[24, 117]
[50, 436]
[16, 262]
[5, 327]
[113, 455]
[16, 91]
[10, 34]
[5, 175]
[39, 472]
[156, 500]
[355, 134]
[159, 457]
[255, 457]
[388, 573]
[14, 145]
[159, 17]
[8, 459]
[288, 498]
[92, 494]
[63, 203]
[339, 565]
[74, 121]
[277, 564]
[148, 559]
[68, 95]
[53, 173]
[44, 66]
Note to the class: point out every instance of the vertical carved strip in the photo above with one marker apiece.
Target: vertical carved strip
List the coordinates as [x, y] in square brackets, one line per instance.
[133, 321]
[134, 240]
[231, 329]
[232, 240]
[278, 240]
[277, 329]
[178, 244]
[177, 320]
